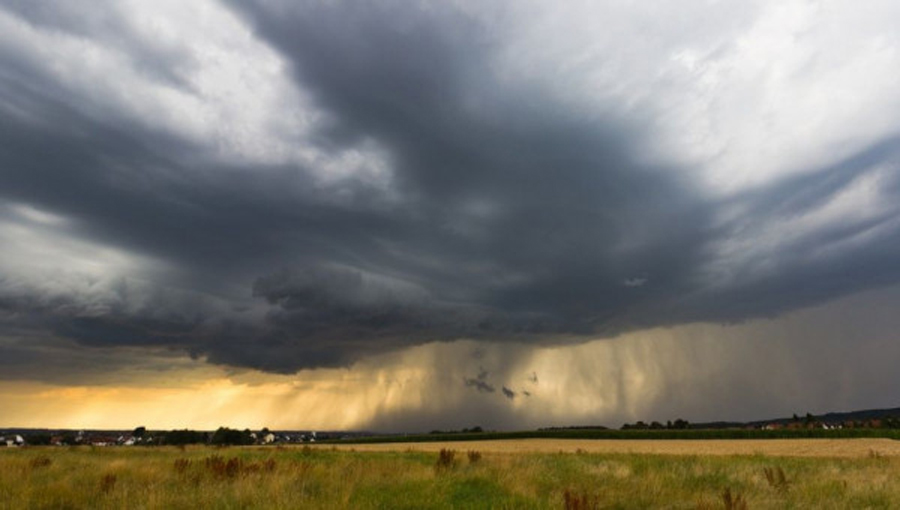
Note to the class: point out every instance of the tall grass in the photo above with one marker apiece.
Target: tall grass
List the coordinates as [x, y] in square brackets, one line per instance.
[254, 477]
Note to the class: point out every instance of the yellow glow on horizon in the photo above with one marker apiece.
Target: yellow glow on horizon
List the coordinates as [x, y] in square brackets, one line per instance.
[312, 399]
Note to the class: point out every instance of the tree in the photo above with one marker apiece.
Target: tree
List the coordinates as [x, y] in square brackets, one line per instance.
[37, 439]
[680, 424]
[180, 437]
[139, 432]
[227, 436]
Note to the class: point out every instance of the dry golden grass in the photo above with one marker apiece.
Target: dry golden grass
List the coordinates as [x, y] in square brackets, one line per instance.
[864, 447]
[513, 475]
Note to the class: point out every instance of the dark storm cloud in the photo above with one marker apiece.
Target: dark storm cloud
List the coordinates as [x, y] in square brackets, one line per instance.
[508, 215]
[851, 253]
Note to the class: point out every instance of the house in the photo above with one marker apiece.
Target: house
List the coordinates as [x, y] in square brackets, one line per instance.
[12, 441]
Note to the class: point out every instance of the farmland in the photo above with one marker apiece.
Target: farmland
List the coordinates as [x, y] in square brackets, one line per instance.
[837, 473]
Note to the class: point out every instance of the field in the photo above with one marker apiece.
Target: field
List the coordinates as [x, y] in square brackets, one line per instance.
[687, 434]
[776, 447]
[559, 474]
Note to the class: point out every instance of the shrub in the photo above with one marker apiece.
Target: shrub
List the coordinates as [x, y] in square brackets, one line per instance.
[580, 501]
[446, 459]
[39, 462]
[733, 501]
[108, 482]
[37, 439]
[474, 456]
[181, 465]
[776, 478]
[234, 467]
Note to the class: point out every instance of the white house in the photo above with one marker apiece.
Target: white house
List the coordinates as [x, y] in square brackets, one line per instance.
[12, 441]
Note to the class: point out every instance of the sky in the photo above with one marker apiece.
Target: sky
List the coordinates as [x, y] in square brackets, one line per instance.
[416, 215]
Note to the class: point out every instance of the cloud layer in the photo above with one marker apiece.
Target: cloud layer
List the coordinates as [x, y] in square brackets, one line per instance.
[283, 185]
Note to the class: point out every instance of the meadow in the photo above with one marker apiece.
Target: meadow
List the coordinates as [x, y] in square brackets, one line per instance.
[327, 477]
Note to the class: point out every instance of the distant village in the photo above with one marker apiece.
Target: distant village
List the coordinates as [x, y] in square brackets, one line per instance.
[140, 436]
[866, 423]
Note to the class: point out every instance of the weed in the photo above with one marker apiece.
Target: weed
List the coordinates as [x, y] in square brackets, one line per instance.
[108, 483]
[776, 478]
[474, 456]
[222, 468]
[234, 467]
[580, 501]
[181, 465]
[446, 459]
[875, 454]
[733, 501]
[39, 462]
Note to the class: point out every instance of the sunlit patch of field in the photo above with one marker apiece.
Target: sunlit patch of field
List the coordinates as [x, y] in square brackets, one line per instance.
[861, 447]
[513, 476]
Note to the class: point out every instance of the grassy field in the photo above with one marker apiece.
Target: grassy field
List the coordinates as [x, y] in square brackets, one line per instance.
[860, 447]
[687, 434]
[256, 477]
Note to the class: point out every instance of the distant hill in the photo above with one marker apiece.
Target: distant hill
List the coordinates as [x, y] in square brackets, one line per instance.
[830, 418]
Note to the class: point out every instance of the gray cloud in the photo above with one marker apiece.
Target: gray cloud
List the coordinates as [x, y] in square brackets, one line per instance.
[505, 214]
[480, 382]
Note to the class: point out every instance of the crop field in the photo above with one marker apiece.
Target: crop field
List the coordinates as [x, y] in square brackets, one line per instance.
[769, 447]
[556, 474]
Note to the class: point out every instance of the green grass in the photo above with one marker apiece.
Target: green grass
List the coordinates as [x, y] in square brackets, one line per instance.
[268, 477]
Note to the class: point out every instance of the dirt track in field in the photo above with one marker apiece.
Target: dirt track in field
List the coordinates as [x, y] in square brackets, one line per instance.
[772, 447]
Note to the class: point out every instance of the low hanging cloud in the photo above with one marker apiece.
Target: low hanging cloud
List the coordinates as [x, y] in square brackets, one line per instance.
[342, 181]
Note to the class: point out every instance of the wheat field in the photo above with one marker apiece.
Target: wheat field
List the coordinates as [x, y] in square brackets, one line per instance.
[860, 447]
[514, 476]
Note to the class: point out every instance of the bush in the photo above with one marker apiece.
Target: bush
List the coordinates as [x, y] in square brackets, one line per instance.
[446, 459]
[227, 436]
[183, 437]
[579, 501]
[39, 462]
[108, 483]
[37, 439]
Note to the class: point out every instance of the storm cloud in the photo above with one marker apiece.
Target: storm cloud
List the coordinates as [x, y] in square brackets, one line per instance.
[283, 185]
